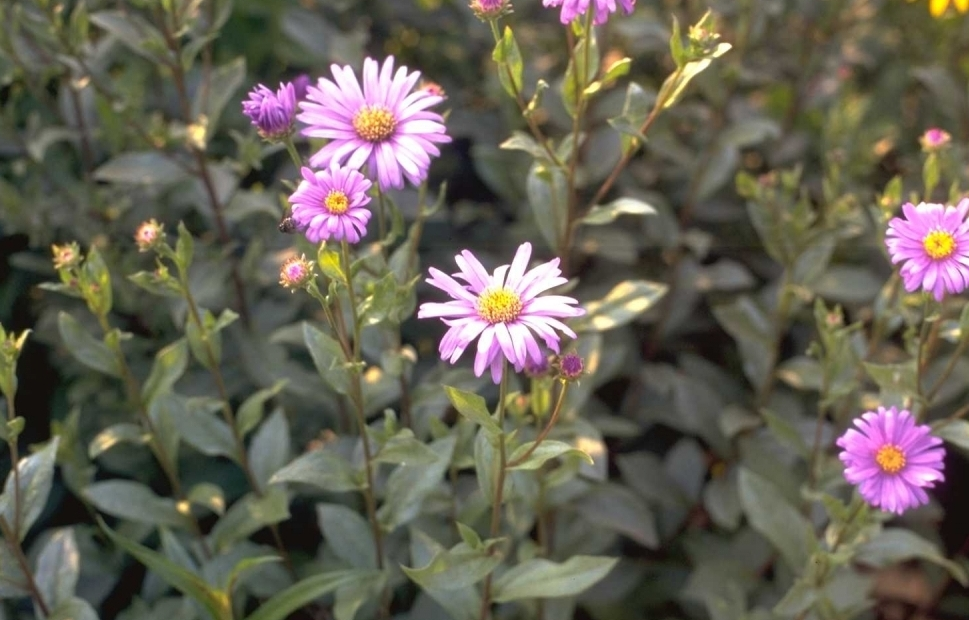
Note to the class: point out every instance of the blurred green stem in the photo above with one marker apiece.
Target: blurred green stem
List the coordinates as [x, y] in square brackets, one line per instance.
[580, 103]
[920, 360]
[949, 367]
[14, 463]
[499, 485]
[523, 105]
[356, 395]
[157, 447]
[18, 553]
[242, 455]
[784, 298]
[548, 427]
[293, 153]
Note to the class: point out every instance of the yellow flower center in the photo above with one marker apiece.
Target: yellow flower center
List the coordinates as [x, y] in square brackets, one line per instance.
[374, 123]
[939, 244]
[499, 305]
[336, 202]
[890, 458]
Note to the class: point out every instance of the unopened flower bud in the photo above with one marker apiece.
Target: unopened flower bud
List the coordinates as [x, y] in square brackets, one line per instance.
[432, 88]
[272, 113]
[296, 272]
[66, 256]
[570, 366]
[934, 140]
[149, 235]
[487, 10]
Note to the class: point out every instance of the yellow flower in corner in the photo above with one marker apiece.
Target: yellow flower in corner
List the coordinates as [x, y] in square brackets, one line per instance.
[937, 7]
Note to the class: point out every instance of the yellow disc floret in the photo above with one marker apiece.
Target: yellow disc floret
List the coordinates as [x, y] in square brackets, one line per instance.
[374, 123]
[939, 244]
[499, 305]
[336, 202]
[890, 458]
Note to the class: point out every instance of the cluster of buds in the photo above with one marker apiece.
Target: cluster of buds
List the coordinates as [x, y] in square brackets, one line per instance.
[11, 344]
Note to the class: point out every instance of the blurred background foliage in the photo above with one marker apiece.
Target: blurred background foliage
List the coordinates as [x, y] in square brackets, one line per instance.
[710, 417]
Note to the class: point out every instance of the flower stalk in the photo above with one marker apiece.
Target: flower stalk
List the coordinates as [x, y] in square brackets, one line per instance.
[499, 498]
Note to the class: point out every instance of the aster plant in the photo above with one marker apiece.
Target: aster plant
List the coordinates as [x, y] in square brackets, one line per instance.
[931, 242]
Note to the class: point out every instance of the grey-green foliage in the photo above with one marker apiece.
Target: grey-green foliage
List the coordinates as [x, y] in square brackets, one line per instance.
[267, 454]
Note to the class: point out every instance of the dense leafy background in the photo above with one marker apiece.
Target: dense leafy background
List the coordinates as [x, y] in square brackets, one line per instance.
[710, 411]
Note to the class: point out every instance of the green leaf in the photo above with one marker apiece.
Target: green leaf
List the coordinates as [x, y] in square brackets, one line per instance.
[348, 535]
[409, 485]
[199, 426]
[785, 433]
[224, 81]
[249, 515]
[635, 110]
[750, 327]
[769, 513]
[510, 65]
[57, 568]
[36, 475]
[455, 568]
[270, 446]
[626, 301]
[214, 602]
[540, 578]
[328, 358]
[547, 192]
[606, 214]
[73, 609]
[134, 501]
[616, 70]
[250, 412]
[208, 495]
[86, 348]
[896, 545]
[170, 364]
[351, 597]
[323, 468]
[579, 74]
[473, 407]
[115, 434]
[615, 507]
[676, 84]
[547, 450]
[140, 168]
[521, 141]
[136, 33]
[184, 247]
[306, 591]
[244, 566]
[403, 448]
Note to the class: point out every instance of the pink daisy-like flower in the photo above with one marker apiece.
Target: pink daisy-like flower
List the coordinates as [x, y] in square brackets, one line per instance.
[331, 204]
[573, 8]
[892, 459]
[384, 125]
[502, 310]
[933, 243]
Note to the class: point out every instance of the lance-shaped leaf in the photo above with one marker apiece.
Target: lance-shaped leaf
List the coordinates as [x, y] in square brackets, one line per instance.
[626, 301]
[455, 568]
[540, 578]
[305, 591]
[36, 473]
[86, 348]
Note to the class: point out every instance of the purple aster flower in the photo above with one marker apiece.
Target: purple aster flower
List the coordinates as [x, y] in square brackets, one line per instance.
[385, 125]
[271, 113]
[933, 243]
[330, 204]
[892, 459]
[573, 8]
[503, 310]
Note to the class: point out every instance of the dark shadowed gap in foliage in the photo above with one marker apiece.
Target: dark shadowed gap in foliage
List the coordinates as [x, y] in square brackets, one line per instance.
[129, 584]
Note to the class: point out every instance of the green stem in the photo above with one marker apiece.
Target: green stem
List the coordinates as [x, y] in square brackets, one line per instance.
[499, 486]
[240, 445]
[356, 395]
[293, 153]
[21, 559]
[156, 446]
[548, 427]
[949, 367]
[14, 465]
[783, 309]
